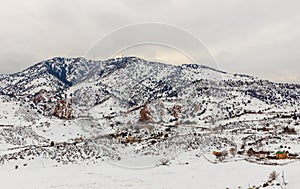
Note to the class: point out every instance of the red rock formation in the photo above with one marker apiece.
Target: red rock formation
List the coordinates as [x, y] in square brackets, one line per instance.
[63, 110]
[145, 114]
[176, 111]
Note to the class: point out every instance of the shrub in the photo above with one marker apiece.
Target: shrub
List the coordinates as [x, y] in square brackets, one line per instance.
[273, 176]
[51, 143]
[232, 151]
[164, 162]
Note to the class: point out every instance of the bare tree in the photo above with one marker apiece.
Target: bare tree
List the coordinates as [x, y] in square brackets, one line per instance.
[273, 176]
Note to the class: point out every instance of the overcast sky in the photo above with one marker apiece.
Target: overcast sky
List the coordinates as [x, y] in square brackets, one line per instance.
[256, 37]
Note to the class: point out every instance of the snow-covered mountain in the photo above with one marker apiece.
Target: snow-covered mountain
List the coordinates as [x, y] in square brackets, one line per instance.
[133, 82]
[98, 106]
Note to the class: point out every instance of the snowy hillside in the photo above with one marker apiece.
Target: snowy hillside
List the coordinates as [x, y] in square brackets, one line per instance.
[139, 114]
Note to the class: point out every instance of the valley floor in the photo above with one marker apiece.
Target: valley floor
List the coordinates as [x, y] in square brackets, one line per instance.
[186, 171]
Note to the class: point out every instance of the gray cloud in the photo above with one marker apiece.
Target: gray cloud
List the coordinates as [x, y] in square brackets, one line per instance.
[256, 37]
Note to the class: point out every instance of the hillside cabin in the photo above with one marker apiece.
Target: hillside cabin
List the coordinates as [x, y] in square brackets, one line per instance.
[281, 155]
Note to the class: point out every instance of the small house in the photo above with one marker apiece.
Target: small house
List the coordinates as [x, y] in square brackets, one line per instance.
[281, 155]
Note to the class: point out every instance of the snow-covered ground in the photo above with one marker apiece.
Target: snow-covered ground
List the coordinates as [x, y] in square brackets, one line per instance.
[186, 171]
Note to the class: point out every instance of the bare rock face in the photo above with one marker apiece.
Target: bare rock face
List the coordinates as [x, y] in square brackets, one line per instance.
[176, 110]
[40, 96]
[63, 110]
[145, 114]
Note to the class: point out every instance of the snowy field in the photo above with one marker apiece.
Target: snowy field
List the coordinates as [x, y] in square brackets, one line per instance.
[184, 172]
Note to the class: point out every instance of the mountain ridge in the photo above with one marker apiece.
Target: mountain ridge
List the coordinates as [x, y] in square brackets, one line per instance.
[69, 109]
[67, 72]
